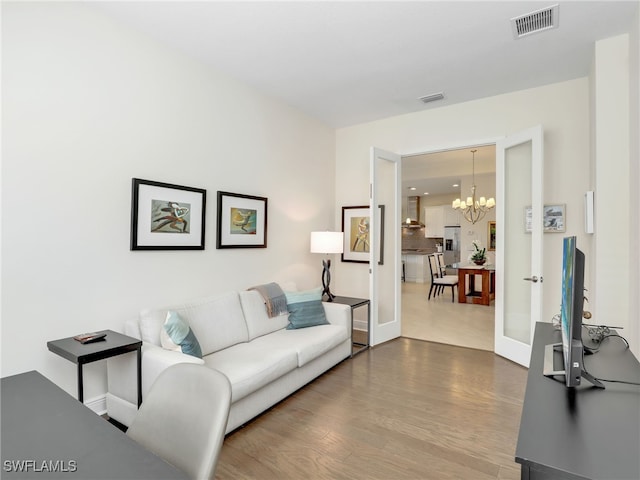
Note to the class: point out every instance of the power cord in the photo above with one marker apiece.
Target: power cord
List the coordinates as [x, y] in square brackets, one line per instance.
[598, 334]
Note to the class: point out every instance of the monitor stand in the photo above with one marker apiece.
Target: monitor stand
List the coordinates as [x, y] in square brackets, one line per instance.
[548, 368]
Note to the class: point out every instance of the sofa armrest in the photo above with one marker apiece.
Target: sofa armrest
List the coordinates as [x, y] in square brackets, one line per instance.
[156, 359]
[122, 370]
[338, 314]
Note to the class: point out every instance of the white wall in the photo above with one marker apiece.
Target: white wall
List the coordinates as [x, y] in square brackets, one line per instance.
[87, 105]
[612, 241]
[634, 180]
[563, 111]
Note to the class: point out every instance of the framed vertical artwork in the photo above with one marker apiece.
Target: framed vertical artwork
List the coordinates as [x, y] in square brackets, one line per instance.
[166, 216]
[242, 221]
[553, 218]
[491, 235]
[355, 226]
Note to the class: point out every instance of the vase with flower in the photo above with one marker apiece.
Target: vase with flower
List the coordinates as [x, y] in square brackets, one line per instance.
[479, 256]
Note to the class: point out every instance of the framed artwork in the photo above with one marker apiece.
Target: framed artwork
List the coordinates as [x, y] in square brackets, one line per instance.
[355, 226]
[552, 217]
[242, 221]
[166, 216]
[491, 235]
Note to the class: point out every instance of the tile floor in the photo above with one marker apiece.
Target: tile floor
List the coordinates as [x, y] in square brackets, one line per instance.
[440, 320]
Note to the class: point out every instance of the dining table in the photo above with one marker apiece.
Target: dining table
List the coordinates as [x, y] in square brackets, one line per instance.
[467, 285]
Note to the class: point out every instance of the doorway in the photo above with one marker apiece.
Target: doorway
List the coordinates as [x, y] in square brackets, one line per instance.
[434, 180]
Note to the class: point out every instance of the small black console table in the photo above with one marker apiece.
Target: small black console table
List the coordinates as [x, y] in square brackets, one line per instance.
[354, 303]
[583, 432]
[113, 344]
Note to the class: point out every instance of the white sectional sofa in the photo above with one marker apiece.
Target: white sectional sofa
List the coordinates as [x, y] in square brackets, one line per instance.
[264, 361]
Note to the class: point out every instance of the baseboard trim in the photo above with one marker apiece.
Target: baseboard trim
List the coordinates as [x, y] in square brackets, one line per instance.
[360, 325]
[97, 404]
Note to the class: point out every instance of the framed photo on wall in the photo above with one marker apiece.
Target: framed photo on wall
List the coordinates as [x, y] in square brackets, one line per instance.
[491, 235]
[166, 216]
[355, 226]
[242, 221]
[553, 218]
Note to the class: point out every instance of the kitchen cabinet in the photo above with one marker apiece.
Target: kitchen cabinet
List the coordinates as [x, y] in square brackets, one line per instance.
[434, 222]
[416, 268]
[451, 216]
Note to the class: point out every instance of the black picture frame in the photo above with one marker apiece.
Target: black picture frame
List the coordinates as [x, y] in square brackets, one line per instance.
[242, 221]
[165, 216]
[351, 218]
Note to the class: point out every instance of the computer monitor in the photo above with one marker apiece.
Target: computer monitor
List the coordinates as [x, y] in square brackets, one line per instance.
[571, 309]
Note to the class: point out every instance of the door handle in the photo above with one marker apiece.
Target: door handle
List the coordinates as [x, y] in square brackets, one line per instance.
[533, 279]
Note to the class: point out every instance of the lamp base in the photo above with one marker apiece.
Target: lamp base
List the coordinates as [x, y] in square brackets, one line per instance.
[326, 280]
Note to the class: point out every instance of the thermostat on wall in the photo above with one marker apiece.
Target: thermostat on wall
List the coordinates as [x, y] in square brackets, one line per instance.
[588, 212]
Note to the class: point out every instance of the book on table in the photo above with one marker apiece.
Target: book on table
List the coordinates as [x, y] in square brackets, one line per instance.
[90, 337]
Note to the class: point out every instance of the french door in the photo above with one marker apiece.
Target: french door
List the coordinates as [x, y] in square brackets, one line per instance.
[384, 279]
[519, 190]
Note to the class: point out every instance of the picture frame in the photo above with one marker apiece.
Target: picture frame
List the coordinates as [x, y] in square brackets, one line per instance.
[553, 218]
[165, 216]
[491, 235]
[355, 226]
[242, 221]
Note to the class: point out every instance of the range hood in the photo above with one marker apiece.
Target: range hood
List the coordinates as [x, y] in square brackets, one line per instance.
[413, 213]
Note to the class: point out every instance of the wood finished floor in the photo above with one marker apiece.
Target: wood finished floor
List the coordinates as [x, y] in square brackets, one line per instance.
[406, 409]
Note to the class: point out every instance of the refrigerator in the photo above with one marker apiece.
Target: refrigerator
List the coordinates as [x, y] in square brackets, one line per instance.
[451, 247]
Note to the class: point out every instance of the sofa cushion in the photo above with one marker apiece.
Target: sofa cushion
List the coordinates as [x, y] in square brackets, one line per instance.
[305, 309]
[176, 335]
[250, 366]
[217, 321]
[255, 314]
[309, 343]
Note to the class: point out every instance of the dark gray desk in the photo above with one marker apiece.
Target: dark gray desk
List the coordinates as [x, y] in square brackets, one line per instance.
[45, 429]
[584, 432]
[114, 344]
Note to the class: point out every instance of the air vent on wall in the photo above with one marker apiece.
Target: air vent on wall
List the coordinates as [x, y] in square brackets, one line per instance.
[432, 98]
[534, 22]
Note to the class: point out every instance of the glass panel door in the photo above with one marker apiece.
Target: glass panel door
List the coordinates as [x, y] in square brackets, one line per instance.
[384, 256]
[519, 243]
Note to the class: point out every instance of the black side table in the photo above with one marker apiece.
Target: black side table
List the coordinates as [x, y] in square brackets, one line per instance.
[356, 303]
[114, 344]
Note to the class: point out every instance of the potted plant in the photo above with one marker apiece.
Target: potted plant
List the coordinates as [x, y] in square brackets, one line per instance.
[479, 256]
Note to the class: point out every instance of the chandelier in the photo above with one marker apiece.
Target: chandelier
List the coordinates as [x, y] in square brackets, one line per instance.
[474, 209]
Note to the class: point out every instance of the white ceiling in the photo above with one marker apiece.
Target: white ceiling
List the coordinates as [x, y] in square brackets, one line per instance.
[352, 62]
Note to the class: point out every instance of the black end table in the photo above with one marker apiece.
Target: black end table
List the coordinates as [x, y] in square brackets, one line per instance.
[354, 303]
[114, 344]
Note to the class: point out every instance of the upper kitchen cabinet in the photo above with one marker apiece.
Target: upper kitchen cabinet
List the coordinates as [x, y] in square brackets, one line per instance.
[434, 222]
[451, 216]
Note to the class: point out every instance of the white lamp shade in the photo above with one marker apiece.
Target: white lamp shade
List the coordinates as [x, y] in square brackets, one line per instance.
[327, 242]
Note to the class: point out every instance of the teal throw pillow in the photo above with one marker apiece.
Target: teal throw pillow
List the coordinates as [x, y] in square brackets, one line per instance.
[305, 309]
[180, 333]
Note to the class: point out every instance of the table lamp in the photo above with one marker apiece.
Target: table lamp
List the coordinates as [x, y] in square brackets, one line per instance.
[327, 243]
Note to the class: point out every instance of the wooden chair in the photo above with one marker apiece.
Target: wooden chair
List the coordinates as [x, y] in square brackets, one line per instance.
[438, 282]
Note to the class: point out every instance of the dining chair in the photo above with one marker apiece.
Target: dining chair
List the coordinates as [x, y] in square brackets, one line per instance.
[438, 282]
[183, 418]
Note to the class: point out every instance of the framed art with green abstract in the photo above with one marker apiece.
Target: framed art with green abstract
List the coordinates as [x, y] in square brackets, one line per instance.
[242, 221]
[356, 223]
[166, 216]
[491, 235]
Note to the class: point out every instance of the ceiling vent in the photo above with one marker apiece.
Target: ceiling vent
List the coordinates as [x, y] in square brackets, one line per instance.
[432, 98]
[535, 22]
